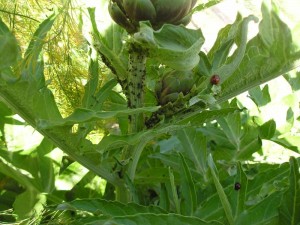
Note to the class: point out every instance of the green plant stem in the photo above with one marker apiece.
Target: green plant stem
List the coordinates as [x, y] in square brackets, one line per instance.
[135, 91]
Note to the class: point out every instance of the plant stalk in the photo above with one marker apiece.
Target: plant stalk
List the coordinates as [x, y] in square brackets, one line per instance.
[135, 85]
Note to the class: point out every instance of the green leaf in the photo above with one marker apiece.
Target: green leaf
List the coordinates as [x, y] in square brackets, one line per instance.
[9, 48]
[189, 196]
[164, 201]
[173, 190]
[154, 175]
[249, 143]
[108, 208]
[87, 115]
[194, 144]
[267, 55]
[198, 118]
[290, 204]
[224, 200]
[12, 171]
[260, 97]
[263, 213]
[37, 42]
[267, 130]
[238, 198]
[29, 203]
[202, 6]
[226, 70]
[88, 100]
[179, 52]
[218, 54]
[231, 126]
[46, 174]
[148, 219]
[260, 201]
[109, 45]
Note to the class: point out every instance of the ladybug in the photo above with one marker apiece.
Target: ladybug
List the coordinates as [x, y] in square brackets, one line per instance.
[237, 186]
[215, 79]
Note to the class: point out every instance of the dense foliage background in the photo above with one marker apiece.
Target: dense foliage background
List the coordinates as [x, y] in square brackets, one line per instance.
[220, 154]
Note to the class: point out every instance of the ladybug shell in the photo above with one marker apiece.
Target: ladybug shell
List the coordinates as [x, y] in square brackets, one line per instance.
[215, 79]
[237, 186]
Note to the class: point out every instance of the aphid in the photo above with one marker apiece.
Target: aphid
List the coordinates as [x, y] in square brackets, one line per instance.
[215, 79]
[237, 186]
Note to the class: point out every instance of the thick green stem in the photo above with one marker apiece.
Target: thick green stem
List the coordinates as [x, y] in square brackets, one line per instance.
[136, 77]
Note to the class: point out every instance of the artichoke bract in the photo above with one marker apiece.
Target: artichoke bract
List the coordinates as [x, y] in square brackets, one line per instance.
[158, 12]
[173, 83]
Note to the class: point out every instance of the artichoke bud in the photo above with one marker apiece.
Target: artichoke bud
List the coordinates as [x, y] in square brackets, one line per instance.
[120, 18]
[139, 10]
[158, 12]
[173, 83]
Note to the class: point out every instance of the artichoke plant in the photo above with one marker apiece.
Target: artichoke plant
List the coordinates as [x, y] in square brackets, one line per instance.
[173, 83]
[128, 13]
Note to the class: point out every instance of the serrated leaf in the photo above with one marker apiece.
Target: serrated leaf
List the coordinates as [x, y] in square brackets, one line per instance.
[264, 204]
[9, 48]
[249, 143]
[225, 39]
[108, 208]
[109, 45]
[154, 175]
[224, 200]
[267, 55]
[202, 6]
[226, 70]
[189, 196]
[35, 46]
[81, 115]
[147, 219]
[173, 190]
[290, 204]
[179, 52]
[231, 126]
[198, 118]
[260, 97]
[238, 197]
[194, 145]
[263, 213]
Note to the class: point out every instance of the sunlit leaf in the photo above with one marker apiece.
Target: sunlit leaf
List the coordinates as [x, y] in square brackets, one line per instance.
[179, 52]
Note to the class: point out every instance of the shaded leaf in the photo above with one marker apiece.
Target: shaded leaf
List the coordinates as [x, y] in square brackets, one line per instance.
[224, 200]
[9, 48]
[290, 204]
[189, 196]
[34, 202]
[263, 213]
[198, 118]
[194, 145]
[110, 208]
[87, 115]
[148, 219]
[238, 197]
